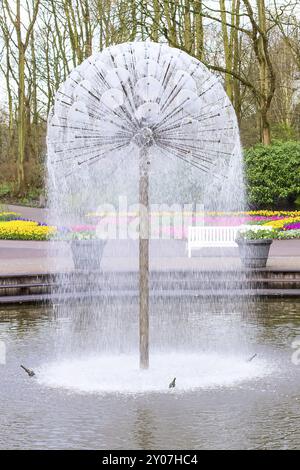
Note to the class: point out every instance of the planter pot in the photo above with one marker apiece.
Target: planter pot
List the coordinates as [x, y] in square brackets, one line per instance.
[254, 253]
[87, 254]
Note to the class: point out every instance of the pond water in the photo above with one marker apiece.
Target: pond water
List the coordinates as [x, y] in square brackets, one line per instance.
[88, 395]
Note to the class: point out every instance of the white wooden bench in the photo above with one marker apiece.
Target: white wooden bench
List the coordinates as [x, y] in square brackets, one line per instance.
[214, 236]
[217, 236]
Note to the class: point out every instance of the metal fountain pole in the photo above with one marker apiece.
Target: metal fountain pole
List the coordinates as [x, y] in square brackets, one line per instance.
[144, 257]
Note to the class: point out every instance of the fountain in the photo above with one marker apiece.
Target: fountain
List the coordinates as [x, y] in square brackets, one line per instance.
[136, 114]
[216, 362]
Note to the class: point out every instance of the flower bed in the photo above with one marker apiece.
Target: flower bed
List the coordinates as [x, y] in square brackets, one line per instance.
[292, 226]
[5, 216]
[168, 224]
[262, 213]
[25, 230]
[280, 224]
[288, 234]
[285, 223]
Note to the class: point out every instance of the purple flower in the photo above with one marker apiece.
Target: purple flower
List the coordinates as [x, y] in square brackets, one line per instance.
[292, 226]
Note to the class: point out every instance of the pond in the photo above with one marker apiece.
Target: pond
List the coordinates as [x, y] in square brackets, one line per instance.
[89, 394]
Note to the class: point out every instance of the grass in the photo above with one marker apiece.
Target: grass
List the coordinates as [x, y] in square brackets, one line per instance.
[8, 195]
[5, 189]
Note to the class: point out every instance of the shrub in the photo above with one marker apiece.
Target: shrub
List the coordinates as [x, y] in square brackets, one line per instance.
[5, 189]
[273, 174]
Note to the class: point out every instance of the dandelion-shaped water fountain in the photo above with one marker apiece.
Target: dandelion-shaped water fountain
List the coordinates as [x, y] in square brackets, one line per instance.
[148, 101]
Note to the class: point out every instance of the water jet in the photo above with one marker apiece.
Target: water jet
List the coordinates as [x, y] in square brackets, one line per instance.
[139, 111]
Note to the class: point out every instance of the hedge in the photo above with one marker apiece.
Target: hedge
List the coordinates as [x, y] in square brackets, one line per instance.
[273, 174]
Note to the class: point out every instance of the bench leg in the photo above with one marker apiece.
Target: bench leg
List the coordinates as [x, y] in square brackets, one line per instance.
[189, 252]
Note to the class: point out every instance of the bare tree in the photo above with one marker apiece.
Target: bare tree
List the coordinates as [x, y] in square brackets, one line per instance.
[23, 40]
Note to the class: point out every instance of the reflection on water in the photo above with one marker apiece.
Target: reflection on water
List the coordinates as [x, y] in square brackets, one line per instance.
[144, 428]
[258, 412]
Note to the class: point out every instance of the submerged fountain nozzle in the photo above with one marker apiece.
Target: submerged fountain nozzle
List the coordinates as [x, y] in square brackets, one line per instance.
[30, 372]
[173, 383]
[252, 357]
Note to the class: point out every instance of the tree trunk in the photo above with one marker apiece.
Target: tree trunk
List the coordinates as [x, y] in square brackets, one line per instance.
[188, 40]
[227, 49]
[236, 63]
[199, 32]
[157, 19]
[265, 129]
[21, 122]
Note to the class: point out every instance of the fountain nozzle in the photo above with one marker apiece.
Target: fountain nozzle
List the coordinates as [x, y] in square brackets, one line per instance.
[144, 137]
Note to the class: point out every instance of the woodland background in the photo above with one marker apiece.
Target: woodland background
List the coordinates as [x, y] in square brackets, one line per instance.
[254, 45]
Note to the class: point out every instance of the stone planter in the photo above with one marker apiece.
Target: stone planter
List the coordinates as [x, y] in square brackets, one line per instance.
[87, 254]
[254, 253]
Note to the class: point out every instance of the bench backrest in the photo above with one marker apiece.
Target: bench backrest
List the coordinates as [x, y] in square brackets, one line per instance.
[212, 234]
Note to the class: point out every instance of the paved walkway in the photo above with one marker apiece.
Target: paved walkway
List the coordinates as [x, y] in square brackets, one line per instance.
[32, 213]
[39, 257]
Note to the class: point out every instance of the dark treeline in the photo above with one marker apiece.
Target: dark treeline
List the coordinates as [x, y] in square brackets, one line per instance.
[254, 45]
